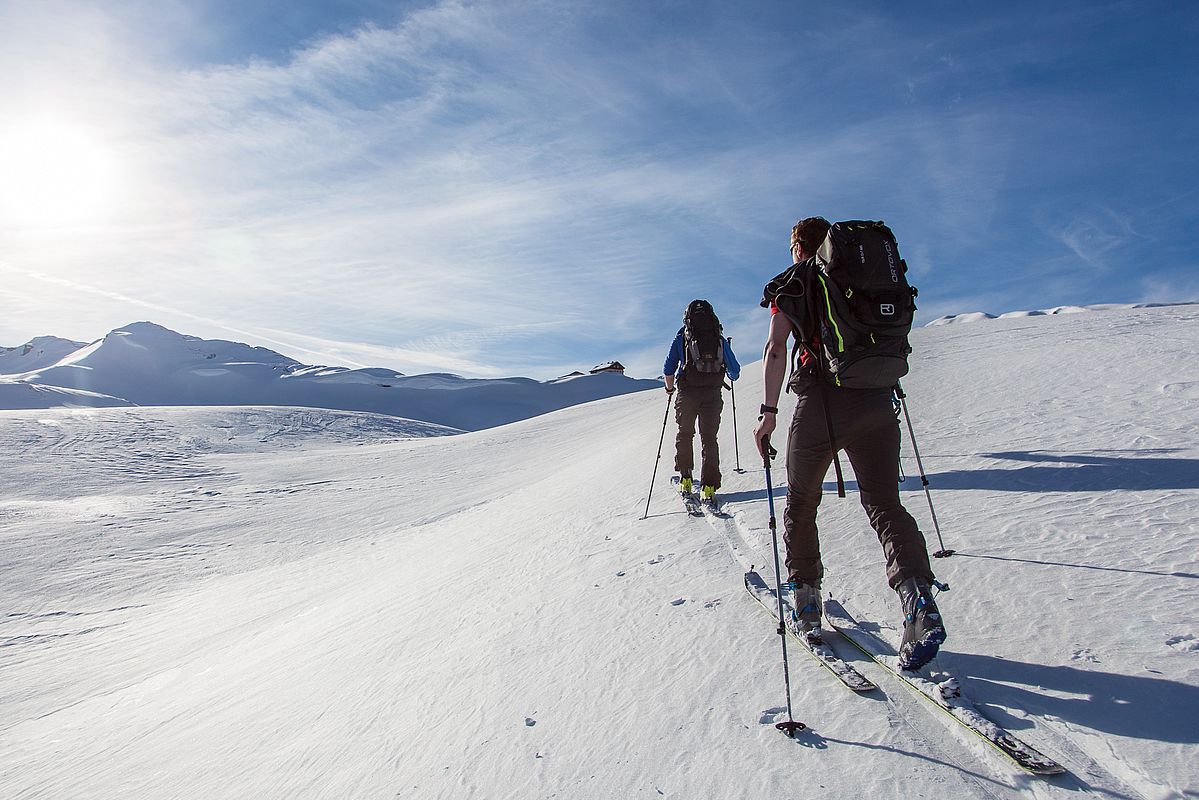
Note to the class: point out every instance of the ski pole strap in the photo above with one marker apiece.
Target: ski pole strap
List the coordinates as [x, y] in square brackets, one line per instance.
[832, 440]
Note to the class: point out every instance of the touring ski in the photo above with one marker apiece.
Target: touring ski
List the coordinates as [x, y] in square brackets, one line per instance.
[819, 650]
[691, 500]
[943, 692]
[713, 508]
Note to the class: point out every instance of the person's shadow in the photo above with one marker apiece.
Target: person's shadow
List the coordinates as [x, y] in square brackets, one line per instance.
[1053, 472]
[1136, 706]
[1065, 472]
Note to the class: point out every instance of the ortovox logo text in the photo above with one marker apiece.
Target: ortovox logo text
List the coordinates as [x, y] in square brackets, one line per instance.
[886, 309]
[891, 262]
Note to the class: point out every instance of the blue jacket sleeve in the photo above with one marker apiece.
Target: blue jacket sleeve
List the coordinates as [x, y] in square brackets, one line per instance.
[731, 366]
[674, 357]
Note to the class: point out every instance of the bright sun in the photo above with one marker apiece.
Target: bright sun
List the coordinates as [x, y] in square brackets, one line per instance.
[54, 174]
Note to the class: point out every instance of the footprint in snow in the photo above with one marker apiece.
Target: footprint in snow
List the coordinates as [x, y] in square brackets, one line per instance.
[772, 715]
[1185, 643]
[1084, 654]
[678, 602]
[530, 722]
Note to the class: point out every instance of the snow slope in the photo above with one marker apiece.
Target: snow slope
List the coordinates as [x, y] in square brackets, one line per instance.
[41, 351]
[149, 365]
[20, 394]
[486, 615]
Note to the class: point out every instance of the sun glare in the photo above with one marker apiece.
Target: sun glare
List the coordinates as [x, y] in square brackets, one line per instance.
[55, 174]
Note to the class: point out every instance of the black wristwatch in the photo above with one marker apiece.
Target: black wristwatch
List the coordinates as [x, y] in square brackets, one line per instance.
[765, 409]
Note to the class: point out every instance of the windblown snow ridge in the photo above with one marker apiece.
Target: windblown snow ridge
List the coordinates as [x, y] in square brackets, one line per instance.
[975, 316]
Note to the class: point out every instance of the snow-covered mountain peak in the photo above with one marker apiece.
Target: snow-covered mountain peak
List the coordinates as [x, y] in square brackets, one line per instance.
[147, 328]
[38, 352]
[178, 349]
[144, 363]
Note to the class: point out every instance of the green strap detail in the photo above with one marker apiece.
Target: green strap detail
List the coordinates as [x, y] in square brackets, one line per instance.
[829, 306]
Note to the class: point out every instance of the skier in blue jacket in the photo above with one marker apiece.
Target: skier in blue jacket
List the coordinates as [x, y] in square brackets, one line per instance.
[697, 363]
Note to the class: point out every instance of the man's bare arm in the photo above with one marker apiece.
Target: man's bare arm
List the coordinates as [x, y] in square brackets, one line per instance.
[774, 369]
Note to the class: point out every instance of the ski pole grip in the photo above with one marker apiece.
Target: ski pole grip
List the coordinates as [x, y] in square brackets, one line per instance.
[768, 452]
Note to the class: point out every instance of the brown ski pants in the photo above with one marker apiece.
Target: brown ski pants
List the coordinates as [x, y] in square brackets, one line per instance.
[865, 427]
[705, 405]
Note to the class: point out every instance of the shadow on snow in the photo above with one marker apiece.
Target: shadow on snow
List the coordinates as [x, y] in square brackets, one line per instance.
[1136, 706]
[1064, 472]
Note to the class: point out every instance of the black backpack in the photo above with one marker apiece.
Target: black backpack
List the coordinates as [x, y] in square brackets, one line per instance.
[703, 345]
[852, 307]
[863, 305]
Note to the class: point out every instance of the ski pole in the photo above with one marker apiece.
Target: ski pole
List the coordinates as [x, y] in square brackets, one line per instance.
[942, 553]
[791, 726]
[736, 438]
[661, 439]
[895, 404]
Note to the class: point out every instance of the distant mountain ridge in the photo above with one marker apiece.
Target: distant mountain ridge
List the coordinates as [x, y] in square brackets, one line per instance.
[146, 364]
[976, 316]
[39, 352]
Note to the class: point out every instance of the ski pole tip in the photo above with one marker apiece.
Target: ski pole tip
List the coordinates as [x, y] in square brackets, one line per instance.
[791, 727]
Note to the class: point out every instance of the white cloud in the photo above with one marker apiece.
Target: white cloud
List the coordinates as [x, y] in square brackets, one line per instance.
[1097, 238]
[1179, 288]
[498, 187]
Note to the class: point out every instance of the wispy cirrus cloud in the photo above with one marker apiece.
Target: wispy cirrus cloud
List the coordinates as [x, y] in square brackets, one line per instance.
[496, 188]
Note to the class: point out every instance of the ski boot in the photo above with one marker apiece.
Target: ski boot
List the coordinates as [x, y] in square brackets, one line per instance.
[806, 611]
[708, 495]
[685, 485]
[923, 629]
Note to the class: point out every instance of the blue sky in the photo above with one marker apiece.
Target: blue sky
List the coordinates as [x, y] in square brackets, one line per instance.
[530, 188]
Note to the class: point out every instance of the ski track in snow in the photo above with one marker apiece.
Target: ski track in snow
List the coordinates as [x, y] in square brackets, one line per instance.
[293, 616]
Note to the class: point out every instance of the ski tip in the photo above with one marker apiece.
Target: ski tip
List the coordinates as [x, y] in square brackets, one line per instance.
[1048, 769]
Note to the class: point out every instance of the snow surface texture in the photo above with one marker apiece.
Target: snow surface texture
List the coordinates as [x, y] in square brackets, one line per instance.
[976, 316]
[487, 616]
[148, 365]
